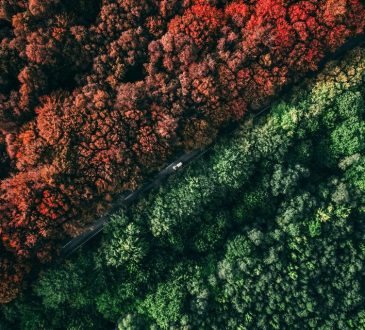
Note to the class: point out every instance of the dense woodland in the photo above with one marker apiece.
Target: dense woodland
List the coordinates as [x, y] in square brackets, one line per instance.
[96, 95]
[265, 232]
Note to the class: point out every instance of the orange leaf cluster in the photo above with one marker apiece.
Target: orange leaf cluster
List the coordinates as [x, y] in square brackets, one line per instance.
[96, 95]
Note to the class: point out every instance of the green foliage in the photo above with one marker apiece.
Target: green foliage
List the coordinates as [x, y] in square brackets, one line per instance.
[58, 289]
[165, 305]
[128, 245]
[265, 232]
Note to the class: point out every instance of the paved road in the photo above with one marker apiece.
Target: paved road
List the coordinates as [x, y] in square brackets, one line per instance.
[127, 199]
[180, 163]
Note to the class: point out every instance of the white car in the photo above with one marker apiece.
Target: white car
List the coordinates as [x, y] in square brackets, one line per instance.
[177, 166]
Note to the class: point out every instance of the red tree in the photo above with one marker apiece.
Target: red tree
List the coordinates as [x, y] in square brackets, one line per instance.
[96, 95]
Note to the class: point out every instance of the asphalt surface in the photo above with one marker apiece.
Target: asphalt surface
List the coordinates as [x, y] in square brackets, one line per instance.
[179, 164]
[126, 199]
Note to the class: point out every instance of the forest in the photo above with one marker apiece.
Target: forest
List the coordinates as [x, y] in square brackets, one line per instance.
[264, 232]
[96, 96]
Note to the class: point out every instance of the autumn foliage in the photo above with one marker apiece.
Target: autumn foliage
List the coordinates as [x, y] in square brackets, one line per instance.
[95, 95]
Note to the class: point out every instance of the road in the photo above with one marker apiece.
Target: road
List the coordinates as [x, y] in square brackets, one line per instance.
[125, 200]
[178, 164]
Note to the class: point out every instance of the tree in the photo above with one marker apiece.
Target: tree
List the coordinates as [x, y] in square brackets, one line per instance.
[95, 96]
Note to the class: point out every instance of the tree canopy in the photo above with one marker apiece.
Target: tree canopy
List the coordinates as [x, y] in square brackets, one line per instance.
[265, 232]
